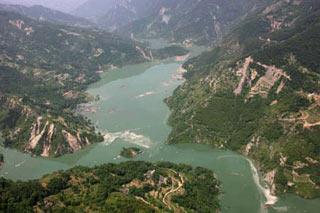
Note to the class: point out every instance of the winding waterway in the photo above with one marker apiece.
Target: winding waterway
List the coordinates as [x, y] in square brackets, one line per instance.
[131, 112]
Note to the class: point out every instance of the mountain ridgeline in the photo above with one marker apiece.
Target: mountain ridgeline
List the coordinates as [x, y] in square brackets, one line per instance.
[44, 14]
[61, 5]
[200, 22]
[257, 92]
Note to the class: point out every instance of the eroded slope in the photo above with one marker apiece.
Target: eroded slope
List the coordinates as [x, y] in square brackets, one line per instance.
[258, 92]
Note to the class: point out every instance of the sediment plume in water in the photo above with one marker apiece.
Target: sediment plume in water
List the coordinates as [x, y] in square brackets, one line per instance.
[271, 199]
[129, 137]
[145, 94]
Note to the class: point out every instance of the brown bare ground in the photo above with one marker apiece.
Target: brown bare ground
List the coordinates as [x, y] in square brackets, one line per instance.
[266, 82]
[244, 75]
[167, 197]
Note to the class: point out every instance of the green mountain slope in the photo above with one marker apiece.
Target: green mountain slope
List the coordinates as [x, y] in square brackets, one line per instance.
[201, 22]
[93, 9]
[127, 187]
[257, 92]
[44, 70]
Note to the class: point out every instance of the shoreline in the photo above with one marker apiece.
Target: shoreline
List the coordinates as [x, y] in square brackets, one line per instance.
[264, 189]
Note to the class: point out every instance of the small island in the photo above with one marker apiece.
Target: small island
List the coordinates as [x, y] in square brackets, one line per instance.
[130, 152]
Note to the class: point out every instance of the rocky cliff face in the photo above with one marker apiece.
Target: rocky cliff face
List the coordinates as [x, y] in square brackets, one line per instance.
[46, 136]
[257, 92]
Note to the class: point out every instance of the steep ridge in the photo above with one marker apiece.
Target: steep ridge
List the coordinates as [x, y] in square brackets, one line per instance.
[61, 5]
[257, 92]
[201, 22]
[187, 21]
[41, 13]
[45, 69]
[93, 9]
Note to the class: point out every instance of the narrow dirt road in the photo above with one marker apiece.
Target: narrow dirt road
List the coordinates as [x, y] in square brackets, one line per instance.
[166, 198]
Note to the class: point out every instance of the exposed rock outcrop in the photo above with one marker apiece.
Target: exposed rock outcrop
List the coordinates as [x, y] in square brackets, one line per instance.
[243, 72]
[72, 140]
[270, 179]
[147, 56]
[36, 134]
[47, 146]
[266, 82]
[20, 24]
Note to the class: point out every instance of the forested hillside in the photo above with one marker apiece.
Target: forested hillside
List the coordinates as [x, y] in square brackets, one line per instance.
[44, 70]
[127, 187]
[257, 92]
[201, 22]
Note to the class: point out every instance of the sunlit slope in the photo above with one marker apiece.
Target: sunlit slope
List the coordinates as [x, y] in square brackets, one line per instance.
[257, 92]
[44, 71]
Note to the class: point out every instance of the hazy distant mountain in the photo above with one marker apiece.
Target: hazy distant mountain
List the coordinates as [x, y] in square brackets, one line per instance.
[93, 9]
[117, 10]
[62, 5]
[202, 21]
[45, 14]
[187, 20]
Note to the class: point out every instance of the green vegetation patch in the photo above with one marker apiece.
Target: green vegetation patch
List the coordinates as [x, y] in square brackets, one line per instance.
[130, 152]
[274, 123]
[125, 187]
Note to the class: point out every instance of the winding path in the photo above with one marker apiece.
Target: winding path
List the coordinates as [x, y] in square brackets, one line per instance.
[166, 199]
